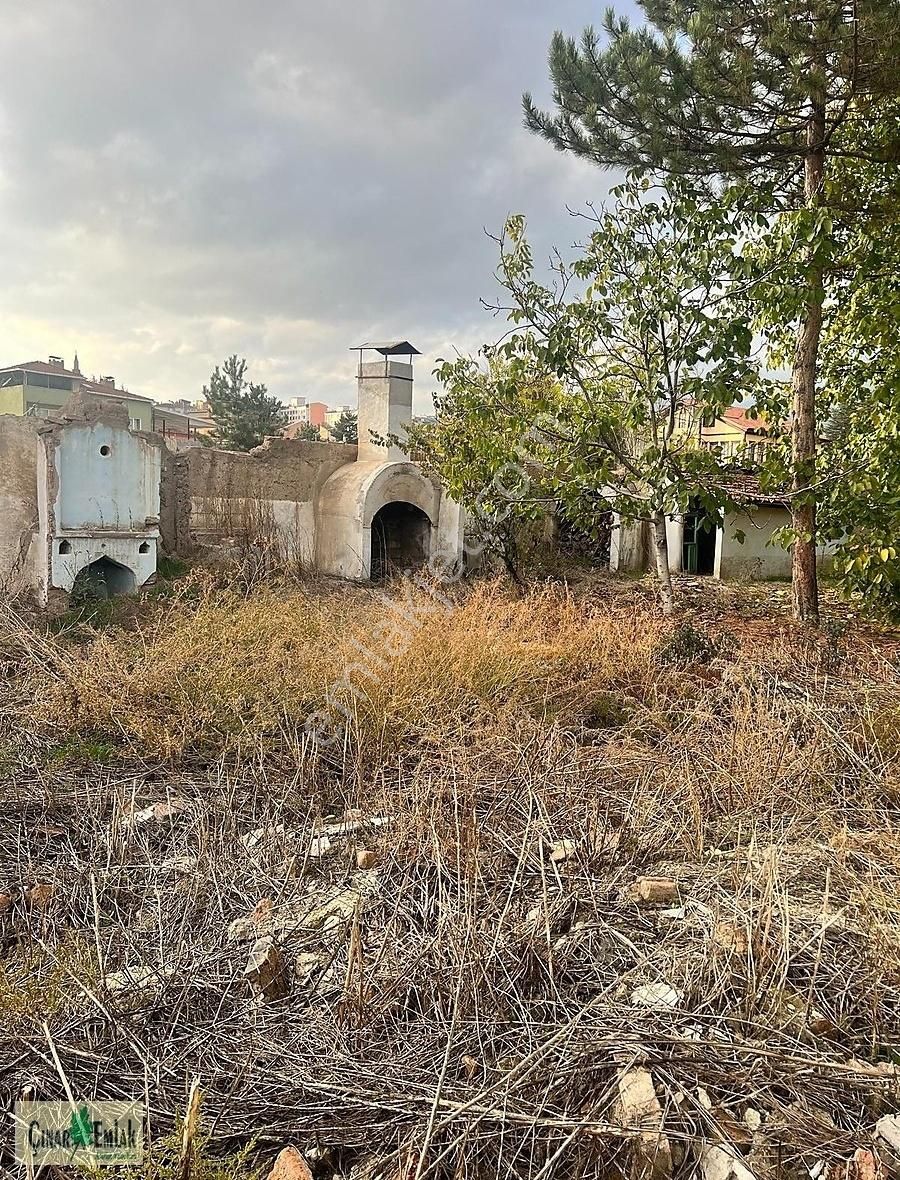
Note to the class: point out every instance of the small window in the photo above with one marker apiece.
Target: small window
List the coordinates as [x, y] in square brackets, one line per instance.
[105, 450]
[65, 546]
[144, 547]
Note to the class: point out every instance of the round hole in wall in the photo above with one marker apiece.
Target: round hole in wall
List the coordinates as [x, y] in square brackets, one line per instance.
[105, 449]
[65, 547]
[144, 547]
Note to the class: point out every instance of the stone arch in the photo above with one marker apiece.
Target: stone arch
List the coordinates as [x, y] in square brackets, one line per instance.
[103, 578]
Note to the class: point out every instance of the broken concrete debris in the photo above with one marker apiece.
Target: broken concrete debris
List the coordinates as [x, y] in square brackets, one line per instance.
[656, 995]
[290, 1165]
[655, 890]
[638, 1108]
[266, 970]
[718, 1162]
[158, 812]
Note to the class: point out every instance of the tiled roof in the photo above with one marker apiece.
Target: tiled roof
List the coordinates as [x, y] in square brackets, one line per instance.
[101, 388]
[740, 417]
[744, 486]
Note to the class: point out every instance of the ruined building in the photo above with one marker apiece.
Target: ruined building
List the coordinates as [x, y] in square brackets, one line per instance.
[82, 495]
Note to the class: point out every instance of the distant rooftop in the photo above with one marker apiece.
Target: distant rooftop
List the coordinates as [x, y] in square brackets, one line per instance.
[102, 388]
[388, 348]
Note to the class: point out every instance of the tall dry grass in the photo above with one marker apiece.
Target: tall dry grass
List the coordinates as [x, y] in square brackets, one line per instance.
[479, 977]
[227, 675]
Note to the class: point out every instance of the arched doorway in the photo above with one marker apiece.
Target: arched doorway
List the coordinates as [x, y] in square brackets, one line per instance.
[401, 539]
[103, 578]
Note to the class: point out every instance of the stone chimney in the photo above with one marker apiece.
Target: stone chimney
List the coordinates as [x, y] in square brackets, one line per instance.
[385, 398]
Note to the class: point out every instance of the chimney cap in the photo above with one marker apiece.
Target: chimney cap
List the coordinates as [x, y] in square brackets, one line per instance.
[388, 348]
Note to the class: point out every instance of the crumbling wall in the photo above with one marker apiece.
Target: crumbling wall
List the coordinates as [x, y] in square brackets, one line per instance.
[270, 493]
[18, 501]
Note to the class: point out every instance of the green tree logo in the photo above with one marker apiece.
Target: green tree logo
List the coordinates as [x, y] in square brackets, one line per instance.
[81, 1131]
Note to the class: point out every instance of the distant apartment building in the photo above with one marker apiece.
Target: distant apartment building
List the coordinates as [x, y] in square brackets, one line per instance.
[40, 389]
[333, 415]
[317, 413]
[296, 411]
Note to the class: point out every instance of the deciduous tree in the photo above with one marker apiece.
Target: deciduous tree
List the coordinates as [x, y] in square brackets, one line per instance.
[595, 399]
[757, 90]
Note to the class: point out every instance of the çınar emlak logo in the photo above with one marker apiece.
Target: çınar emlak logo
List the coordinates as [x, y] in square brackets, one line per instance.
[84, 1133]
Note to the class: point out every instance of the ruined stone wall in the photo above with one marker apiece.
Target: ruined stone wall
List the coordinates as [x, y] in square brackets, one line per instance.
[18, 501]
[268, 494]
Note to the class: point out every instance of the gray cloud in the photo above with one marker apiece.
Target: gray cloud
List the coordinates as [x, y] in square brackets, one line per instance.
[182, 180]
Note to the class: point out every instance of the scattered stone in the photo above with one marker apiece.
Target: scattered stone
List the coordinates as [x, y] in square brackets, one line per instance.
[290, 1165]
[353, 823]
[319, 846]
[182, 865]
[655, 890]
[366, 858]
[638, 1108]
[469, 1064]
[40, 896]
[887, 1139]
[136, 979]
[334, 912]
[266, 970]
[718, 1162]
[261, 914]
[656, 995]
[165, 809]
[753, 1119]
[562, 850]
[242, 930]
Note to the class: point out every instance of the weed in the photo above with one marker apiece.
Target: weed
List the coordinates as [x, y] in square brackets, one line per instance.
[689, 645]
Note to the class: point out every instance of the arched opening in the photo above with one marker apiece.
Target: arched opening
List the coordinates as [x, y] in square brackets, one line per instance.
[103, 578]
[401, 536]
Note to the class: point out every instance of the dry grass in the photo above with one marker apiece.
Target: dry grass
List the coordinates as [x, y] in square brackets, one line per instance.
[471, 1013]
[240, 676]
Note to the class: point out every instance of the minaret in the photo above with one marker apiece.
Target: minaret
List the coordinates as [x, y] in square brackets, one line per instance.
[75, 368]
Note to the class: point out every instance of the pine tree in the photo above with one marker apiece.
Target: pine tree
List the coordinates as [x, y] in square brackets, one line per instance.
[244, 413]
[757, 90]
[346, 429]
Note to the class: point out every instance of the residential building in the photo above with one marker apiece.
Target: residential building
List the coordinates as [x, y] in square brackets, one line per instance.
[39, 389]
[333, 416]
[182, 423]
[317, 413]
[737, 434]
[296, 411]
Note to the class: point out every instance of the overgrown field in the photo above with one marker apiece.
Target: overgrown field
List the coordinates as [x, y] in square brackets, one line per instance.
[450, 863]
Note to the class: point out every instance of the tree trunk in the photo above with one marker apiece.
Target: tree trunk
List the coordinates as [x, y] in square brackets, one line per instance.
[804, 581]
[661, 553]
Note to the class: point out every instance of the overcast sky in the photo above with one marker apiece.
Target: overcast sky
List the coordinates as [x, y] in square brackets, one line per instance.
[184, 179]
